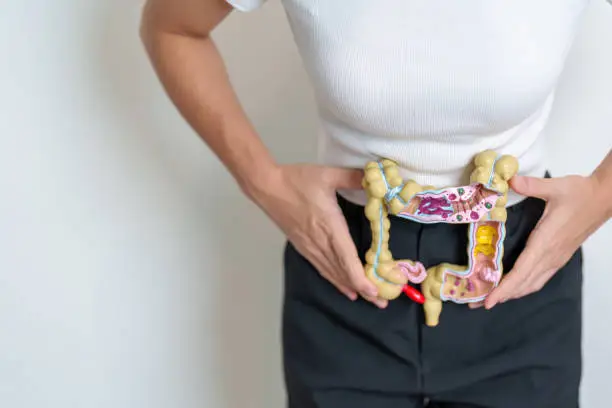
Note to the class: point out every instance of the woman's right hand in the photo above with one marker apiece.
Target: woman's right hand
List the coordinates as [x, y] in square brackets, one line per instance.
[301, 200]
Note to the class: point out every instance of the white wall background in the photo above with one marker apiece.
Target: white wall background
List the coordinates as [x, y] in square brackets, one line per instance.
[119, 284]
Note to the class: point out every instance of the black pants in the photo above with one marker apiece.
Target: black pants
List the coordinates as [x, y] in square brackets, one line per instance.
[522, 354]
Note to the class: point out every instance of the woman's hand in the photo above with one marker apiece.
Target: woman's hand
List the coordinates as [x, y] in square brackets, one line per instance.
[575, 208]
[301, 200]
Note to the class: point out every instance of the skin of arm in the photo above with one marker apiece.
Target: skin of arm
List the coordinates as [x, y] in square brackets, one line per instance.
[603, 178]
[300, 199]
[576, 207]
[176, 36]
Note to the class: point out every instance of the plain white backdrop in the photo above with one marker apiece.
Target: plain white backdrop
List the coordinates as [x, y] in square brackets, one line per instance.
[120, 284]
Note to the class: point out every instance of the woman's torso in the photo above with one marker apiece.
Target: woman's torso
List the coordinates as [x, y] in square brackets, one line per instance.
[431, 83]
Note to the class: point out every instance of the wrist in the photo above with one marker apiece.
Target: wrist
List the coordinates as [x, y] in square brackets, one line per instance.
[258, 181]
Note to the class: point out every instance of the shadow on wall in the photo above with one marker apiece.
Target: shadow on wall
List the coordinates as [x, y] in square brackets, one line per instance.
[245, 316]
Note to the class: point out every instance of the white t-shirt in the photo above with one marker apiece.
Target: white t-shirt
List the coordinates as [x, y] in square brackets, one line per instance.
[430, 83]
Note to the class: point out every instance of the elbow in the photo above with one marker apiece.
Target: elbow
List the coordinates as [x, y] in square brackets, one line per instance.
[155, 26]
[149, 28]
[150, 33]
[144, 32]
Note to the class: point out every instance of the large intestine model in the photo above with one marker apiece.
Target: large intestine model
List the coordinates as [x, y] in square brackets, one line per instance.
[481, 204]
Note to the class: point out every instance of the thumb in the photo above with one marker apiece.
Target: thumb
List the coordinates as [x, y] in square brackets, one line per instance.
[339, 178]
[532, 186]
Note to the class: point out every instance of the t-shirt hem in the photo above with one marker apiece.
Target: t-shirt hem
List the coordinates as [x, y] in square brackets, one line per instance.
[244, 8]
[359, 197]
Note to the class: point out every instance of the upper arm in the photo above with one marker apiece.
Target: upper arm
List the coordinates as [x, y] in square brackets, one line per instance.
[188, 17]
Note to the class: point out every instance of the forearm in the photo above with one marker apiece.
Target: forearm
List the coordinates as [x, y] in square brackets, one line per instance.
[603, 177]
[194, 77]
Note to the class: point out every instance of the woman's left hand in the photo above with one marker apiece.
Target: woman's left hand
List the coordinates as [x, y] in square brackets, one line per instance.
[575, 208]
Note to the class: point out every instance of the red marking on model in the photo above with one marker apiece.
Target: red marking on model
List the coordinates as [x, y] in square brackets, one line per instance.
[413, 294]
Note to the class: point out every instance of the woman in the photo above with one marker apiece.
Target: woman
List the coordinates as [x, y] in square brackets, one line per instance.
[428, 84]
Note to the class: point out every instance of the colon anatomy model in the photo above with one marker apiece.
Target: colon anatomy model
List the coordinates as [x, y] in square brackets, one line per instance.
[481, 204]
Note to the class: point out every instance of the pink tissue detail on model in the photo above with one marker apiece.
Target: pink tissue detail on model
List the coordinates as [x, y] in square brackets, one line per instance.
[455, 205]
[415, 273]
[488, 273]
[435, 206]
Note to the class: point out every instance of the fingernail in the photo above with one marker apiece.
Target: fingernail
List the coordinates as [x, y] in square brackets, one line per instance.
[372, 292]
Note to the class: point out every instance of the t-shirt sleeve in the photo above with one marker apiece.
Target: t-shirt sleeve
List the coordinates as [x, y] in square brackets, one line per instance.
[246, 5]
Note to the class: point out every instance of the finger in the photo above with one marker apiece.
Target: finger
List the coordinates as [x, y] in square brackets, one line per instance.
[380, 303]
[510, 286]
[353, 272]
[533, 186]
[529, 264]
[476, 305]
[368, 291]
[322, 266]
[540, 280]
[348, 262]
[513, 283]
[348, 267]
[344, 178]
[345, 290]
[519, 282]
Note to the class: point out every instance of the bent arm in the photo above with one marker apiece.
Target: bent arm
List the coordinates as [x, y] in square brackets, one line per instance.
[176, 36]
[603, 176]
